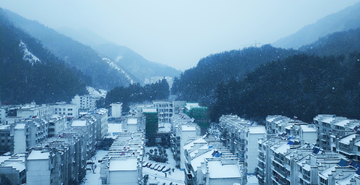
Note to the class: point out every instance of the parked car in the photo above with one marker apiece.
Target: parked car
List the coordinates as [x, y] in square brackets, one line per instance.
[154, 166]
[149, 165]
[157, 167]
[160, 169]
[145, 164]
[166, 170]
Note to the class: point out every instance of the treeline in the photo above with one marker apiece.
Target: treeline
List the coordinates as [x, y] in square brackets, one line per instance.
[21, 81]
[300, 85]
[135, 93]
[199, 83]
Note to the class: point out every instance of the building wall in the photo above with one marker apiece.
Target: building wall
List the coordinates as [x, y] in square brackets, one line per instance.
[37, 172]
[253, 152]
[116, 110]
[184, 138]
[19, 140]
[123, 177]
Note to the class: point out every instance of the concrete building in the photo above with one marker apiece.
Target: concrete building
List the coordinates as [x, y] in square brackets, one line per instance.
[71, 111]
[28, 133]
[165, 110]
[116, 109]
[200, 115]
[85, 102]
[6, 139]
[331, 128]
[13, 168]
[241, 137]
[32, 111]
[207, 161]
[134, 123]
[101, 126]
[57, 123]
[59, 160]
[122, 164]
[3, 113]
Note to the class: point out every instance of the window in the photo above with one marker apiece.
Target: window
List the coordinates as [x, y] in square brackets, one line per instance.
[69, 114]
[69, 109]
[63, 109]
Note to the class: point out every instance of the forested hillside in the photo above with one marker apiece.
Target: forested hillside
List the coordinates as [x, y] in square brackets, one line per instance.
[103, 74]
[198, 83]
[256, 82]
[339, 43]
[300, 85]
[29, 72]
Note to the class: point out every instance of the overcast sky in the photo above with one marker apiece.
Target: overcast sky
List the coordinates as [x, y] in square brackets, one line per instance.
[180, 33]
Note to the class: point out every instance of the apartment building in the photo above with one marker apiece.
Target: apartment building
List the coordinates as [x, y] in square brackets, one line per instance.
[207, 161]
[122, 164]
[6, 139]
[116, 109]
[165, 110]
[85, 102]
[12, 168]
[71, 111]
[241, 137]
[331, 128]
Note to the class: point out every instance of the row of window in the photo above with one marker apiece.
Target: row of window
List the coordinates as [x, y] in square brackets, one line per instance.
[70, 114]
[63, 109]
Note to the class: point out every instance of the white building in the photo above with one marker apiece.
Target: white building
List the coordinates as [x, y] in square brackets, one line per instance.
[32, 110]
[85, 102]
[241, 137]
[116, 109]
[71, 111]
[38, 168]
[186, 133]
[165, 110]
[122, 164]
[13, 168]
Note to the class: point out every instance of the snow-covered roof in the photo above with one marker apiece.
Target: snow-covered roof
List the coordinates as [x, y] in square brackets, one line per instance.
[328, 120]
[306, 128]
[282, 148]
[196, 162]
[132, 121]
[259, 129]
[20, 126]
[114, 127]
[346, 140]
[38, 155]
[149, 110]
[78, 123]
[129, 164]
[4, 127]
[191, 105]
[217, 170]
[4, 158]
[326, 172]
[342, 123]
[188, 128]
[20, 166]
[189, 145]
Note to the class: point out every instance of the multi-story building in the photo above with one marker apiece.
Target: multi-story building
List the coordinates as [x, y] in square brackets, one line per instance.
[12, 169]
[122, 164]
[207, 161]
[6, 139]
[241, 137]
[28, 133]
[71, 111]
[87, 124]
[85, 102]
[331, 128]
[3, 113]
[116, 109]
[349, 146]
[59, 160]
[199, 113]
[134, 123]
[165, 110]
[101, 126]
[57, 123]
[32, 111]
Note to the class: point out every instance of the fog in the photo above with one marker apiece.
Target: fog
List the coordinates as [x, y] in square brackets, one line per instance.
[180, 33]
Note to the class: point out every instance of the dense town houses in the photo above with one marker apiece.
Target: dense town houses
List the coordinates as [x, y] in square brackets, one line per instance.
[53, 144]
[291, 152]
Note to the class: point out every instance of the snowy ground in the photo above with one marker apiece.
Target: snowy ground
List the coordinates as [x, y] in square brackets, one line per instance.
[94, 178]
[176, 177]
[252, 180]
